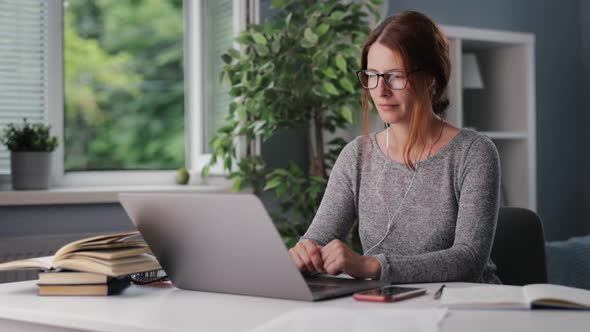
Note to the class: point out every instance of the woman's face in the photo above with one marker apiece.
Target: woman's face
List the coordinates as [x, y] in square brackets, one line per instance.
[394, 106]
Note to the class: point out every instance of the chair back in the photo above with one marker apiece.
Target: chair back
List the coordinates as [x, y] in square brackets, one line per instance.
[519, 247]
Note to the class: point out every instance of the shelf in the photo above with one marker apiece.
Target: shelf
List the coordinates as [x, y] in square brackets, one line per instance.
[503, 107]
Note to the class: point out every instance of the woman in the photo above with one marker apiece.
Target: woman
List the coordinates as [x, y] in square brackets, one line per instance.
[425, 193]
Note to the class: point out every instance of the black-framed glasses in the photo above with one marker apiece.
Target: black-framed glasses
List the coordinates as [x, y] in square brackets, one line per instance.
[394, 79]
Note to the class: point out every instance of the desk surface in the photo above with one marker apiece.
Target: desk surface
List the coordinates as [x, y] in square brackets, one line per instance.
[171, 309]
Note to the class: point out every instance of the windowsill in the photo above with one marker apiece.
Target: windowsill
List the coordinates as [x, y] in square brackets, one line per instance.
[99, 194]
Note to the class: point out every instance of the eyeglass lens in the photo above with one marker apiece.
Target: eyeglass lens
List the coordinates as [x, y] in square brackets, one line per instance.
[396, 80]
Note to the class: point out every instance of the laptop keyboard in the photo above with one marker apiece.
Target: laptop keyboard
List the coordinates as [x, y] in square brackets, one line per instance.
[319, 287]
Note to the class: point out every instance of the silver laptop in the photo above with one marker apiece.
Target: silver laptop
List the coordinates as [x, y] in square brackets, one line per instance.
[226, 243]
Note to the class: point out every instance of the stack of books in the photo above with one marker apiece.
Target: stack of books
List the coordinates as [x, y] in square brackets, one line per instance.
[98, 265]
[80, 283]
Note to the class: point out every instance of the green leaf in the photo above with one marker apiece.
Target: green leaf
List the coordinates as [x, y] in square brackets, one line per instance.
[337, 15]
[237, 184]
[234, 53]
[259, 38]
[341, 63]
[272, 184]
[226, 82]
[288, 20]
[235, 91]
[275, 46]
[227, 163]
[267, 28]
[322, 29]
[295, 169]
[205, 171]
[346, 113]
[329, 72]
[242, 114]
[374, 11]
[346, 84]
[280, 190]
[261, 49]
[277, 3]
[317, 92]
[306, 44]
[226, 58]
[281, 171]
[258, 125]
[311, 37]
[330, 88]
[243, 39]
[377, 2]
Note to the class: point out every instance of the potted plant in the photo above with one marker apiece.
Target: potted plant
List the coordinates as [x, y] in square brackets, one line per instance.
[295, 73]
[30, 147]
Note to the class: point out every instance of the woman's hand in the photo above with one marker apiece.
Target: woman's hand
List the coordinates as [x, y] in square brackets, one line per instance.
[306, 255]
[339, 258]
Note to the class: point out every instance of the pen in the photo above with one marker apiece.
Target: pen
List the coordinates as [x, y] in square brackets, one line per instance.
[438, 293]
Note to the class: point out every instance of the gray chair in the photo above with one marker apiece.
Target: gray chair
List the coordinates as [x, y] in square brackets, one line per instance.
[519, 247]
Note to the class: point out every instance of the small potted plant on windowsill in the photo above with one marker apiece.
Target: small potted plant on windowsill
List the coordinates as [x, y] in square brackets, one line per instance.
[30, 147]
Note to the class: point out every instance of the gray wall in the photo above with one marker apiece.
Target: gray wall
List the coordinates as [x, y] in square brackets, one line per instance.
[26, 220]
[585, 107]
[558, 56]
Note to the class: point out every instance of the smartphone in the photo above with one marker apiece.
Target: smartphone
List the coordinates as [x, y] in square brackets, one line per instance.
[389, 294]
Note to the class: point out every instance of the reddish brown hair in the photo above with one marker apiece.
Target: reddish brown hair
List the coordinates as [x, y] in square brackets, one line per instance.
[422, 46]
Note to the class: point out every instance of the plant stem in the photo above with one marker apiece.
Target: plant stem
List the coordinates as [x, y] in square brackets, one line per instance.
[311, 150]
[319, 142]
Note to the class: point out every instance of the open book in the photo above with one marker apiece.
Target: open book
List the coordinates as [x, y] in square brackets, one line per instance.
[113, 254]
[525, 297]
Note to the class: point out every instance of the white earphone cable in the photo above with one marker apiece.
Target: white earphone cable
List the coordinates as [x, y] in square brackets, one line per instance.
[389, 217]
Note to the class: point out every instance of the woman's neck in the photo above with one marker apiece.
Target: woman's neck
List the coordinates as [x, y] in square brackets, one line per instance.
[399, 135]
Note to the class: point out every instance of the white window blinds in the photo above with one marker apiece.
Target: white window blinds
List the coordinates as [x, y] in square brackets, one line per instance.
[220, 37]
[23, 65]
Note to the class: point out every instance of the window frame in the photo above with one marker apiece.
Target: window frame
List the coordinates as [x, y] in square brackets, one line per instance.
[195, 102]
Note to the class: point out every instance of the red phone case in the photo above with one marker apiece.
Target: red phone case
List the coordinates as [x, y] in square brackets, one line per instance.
[374, 298]
[365, 296]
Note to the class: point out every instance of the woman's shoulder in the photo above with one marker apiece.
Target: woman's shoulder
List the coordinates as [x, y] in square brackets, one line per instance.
[361, 146]
[477, 145]
[352, 153]
[355, 146]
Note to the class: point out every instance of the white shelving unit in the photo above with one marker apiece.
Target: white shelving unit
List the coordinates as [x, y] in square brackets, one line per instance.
[504, 108]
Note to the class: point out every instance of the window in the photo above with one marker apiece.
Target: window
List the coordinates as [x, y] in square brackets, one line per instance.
[123, 85]
[24, 65]
[219, 32]
[140, 91]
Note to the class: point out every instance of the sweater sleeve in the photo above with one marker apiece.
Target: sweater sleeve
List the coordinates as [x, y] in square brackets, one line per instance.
[477, 215]
[336, 213]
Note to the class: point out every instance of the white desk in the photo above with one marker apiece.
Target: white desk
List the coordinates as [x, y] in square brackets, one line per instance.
[170, 309]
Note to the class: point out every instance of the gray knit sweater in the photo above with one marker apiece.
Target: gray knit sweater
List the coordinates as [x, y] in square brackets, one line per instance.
[445, 227]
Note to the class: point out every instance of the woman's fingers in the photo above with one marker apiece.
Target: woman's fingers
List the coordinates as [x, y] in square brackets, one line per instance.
[310, 257]
[334, 257]
[328, 256]
[297, 259]
[334, 267]
[304, 256]
[314, 254]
